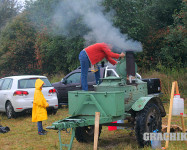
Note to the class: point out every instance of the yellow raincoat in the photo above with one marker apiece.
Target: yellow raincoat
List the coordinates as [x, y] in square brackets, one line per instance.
[39, 112]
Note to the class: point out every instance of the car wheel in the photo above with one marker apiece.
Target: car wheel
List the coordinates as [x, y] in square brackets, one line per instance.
[86, 134]
[10, 113]
[147, 120]
[52, 111]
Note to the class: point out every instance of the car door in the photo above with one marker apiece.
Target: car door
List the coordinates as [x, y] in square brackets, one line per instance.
[91, 81]
[72, 83]
[91, 78]
[4, 92]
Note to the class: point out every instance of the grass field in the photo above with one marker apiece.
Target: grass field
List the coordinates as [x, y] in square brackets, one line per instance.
[23, 135]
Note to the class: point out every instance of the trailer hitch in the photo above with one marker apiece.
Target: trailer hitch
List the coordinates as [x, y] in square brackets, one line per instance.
[64, 125]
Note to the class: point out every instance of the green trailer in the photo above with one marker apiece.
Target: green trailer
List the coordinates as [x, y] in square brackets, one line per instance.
[124, 97]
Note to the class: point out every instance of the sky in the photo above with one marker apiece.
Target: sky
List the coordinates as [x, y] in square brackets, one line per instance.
[21, 1]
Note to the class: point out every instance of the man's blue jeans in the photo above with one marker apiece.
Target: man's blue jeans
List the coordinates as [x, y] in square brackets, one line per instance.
[40, 128]
[85, 63]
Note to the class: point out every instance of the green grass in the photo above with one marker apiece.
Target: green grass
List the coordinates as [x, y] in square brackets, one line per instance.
[23, 136]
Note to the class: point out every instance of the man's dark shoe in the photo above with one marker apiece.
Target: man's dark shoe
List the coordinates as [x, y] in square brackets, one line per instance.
[41, 133]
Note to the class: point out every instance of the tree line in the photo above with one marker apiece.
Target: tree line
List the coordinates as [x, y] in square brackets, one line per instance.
[31, 44]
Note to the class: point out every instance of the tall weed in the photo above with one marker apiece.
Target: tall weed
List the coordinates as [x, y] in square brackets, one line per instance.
[56, 77]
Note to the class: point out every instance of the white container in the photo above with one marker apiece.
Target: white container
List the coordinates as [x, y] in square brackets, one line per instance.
[154, 143]
[178, 105]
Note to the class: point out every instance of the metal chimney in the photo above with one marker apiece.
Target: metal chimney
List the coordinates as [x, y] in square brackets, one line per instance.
[130, 63]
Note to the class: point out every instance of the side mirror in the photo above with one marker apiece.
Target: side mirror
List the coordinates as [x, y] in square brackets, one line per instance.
[64, 81]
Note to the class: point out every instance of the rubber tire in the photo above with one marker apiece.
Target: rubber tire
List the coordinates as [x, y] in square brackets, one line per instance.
[86, 134]
[147, 120]
[10, 113]
[52, 111]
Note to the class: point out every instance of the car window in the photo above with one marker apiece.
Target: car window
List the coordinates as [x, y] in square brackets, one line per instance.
[1, 81]
[74, 78]
[30, 83]
[7, 84]
[110, 73]
[91, 77]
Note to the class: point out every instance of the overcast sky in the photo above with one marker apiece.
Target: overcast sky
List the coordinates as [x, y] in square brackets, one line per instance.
[21, 1]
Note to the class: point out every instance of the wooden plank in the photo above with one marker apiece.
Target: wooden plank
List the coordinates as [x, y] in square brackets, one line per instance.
[183, 126]
[96, 131]
[170, 111]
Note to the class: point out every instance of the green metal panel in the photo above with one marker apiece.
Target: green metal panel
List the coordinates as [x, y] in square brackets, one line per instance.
[121, 68]
[140, 103]
[88, 102]
[131, 92]
[111, 81]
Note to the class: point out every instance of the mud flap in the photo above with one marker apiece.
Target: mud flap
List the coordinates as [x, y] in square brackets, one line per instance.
[140, 103]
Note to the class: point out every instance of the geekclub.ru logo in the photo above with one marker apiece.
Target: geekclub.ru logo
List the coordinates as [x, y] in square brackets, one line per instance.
[165, 136]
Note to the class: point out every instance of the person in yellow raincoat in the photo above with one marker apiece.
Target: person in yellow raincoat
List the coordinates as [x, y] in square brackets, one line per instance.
[39, 112]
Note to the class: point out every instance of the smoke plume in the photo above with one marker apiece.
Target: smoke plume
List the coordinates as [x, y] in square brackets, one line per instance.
[100, 26]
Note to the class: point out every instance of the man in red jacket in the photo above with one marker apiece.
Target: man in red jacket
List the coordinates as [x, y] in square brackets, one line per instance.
[93, 54]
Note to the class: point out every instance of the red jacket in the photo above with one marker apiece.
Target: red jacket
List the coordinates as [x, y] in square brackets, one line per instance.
[99, 51]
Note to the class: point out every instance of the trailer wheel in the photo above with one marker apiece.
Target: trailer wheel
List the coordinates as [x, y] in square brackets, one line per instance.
[147, 120]
[86, 134]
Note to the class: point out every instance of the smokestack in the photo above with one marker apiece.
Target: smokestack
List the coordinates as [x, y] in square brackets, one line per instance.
[130, 63]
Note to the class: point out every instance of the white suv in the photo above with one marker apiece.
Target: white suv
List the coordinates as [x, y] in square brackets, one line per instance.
[17, 93]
